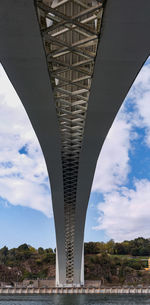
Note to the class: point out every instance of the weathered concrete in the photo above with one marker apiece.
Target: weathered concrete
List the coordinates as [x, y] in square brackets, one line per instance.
[29, 291]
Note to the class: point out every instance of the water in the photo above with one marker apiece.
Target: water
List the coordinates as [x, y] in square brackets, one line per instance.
[76, 300]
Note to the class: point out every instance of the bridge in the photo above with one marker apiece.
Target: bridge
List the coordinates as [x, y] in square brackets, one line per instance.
[72, 63]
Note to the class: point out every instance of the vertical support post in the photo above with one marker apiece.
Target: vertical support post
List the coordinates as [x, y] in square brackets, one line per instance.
[82, 267]
[57, 269]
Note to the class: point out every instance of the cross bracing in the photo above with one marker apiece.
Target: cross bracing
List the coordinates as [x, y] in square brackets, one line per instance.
[70, 30]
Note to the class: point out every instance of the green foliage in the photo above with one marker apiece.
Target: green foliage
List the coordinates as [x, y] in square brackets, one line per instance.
[123, 262]
[4, 251]
[3, 255]
[49, 258]
[23, 247]
[49, 250]
[43, 273]
[91, 248]
[32, 250]
[108, 267]
[108, 261]
[30, 262]
[137, 247]
[40, 250]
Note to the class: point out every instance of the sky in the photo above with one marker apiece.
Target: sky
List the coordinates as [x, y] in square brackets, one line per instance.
[119, 205]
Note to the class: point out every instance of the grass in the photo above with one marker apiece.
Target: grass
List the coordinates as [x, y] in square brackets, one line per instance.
[127, 256]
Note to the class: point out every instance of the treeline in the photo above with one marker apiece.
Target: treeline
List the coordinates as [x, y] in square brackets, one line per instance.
[26, 262]
[109, 262]
[137, 247]
[15, 256]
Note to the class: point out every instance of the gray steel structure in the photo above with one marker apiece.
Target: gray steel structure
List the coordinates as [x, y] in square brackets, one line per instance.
[124, 45]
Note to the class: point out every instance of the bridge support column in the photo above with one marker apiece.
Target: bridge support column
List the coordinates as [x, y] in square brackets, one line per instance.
[79, 278]
[82, 267]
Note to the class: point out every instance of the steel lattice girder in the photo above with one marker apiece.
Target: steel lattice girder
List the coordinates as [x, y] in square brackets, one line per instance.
[70, 42]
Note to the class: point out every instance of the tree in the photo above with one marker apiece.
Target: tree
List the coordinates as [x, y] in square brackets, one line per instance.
[23, 247]
[4, 251]
[91, 248]
[119, 249]
[49, 250]
[40, 250]
[135, 251]
[3, 254]
[110, 246]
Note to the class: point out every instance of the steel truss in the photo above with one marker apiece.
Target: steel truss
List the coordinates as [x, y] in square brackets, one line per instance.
[70, 30]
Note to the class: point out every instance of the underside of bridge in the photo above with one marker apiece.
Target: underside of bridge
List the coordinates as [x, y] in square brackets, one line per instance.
[70, 32]
[72, 63]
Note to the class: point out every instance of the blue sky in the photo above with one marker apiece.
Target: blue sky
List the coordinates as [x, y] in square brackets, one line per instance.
[119, 205]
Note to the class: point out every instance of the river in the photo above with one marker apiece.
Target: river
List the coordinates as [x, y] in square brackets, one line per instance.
[75, 300]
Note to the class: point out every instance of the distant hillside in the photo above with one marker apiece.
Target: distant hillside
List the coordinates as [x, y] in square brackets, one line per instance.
[137, 247]
[118, 263]
[112, 263]
[25, 262]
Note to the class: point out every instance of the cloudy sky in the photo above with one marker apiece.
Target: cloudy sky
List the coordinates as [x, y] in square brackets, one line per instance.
[119, 206]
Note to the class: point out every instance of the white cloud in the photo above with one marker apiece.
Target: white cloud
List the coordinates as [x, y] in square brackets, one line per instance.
[113, 163]
[140, 94]
[125, 213]
[112, 166]
[23, 177]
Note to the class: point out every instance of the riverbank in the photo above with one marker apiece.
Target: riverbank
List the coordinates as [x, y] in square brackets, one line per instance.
[105, 265]
[55, 290]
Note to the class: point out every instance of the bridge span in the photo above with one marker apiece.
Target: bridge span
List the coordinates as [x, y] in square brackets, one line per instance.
[72, 63]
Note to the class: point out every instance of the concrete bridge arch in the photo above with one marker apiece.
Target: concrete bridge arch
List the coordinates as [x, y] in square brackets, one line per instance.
[124, 45]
